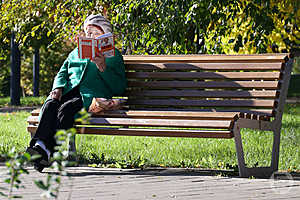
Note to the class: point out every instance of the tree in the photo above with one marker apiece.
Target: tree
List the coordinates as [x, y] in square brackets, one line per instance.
[168, 27]
[45, 25]
[147, 27]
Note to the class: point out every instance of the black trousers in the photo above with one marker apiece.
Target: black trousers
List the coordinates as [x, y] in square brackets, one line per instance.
[57, 115]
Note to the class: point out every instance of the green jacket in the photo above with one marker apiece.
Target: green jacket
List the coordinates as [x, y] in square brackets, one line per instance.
[92, 82]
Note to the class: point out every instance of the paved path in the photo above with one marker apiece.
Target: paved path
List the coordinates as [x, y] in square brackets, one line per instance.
[9, 109]
[133, 184]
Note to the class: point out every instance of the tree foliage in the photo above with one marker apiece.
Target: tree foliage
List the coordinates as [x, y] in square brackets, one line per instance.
[48, 25]
[188, 27]
[147, 27]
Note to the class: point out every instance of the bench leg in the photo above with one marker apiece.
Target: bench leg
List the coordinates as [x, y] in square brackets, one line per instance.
[265, 172]
[275, 151]
[240, 152]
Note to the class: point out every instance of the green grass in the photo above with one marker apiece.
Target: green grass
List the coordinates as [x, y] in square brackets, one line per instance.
[172, 152]
[13, 131]
[24, 101]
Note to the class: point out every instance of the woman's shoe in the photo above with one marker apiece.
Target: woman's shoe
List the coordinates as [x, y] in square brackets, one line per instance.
[38, 167]
[41, 162]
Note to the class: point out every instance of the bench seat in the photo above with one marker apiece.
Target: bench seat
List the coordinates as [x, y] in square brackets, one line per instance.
[156, 123]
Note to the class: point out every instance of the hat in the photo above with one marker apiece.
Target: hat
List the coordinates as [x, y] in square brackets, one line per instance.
[98, 20]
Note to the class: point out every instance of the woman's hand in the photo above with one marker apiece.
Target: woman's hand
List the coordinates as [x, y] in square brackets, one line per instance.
[56, 94]
[100, 62]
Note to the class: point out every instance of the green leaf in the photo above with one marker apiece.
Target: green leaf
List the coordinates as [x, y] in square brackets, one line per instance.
[58, 180]
[16, 197]
[43, 24]
[2, 194]
[35, 28]
[130, 7]
[8, 164]
[27, 156]
[24, 38]
[34, 157]
[41, 184]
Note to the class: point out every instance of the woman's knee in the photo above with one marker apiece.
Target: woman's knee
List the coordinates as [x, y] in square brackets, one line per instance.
[51, 104]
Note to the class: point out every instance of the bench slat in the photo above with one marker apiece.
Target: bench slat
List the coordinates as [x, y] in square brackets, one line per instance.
[242, 111]
[205, 75]
[211, 113]
[202, 84]
[218, 124]
[205, 66]
[206, 103]
[205, 58]
[151, 132]
[158, 133]
[199, 93]
[169, 114]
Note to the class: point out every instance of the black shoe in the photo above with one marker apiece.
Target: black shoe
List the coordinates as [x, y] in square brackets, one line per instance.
[40, 162]
[38, 167]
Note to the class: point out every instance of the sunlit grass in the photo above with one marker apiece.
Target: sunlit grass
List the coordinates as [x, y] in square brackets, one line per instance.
[13, 131]
[24, 101]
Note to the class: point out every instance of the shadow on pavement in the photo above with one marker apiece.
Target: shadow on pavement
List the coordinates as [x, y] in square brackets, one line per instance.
[88, 171]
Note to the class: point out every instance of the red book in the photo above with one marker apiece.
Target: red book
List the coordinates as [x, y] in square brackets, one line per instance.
[89, 47]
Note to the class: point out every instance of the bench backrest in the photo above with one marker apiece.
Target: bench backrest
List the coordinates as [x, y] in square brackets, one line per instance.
[250, 84]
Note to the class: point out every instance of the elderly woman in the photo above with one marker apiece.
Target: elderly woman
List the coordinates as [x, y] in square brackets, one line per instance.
[75, 85]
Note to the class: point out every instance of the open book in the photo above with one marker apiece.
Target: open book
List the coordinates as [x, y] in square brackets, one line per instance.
[90, 47]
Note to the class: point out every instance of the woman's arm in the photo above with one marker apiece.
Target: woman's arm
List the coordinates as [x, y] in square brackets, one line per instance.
[61, 77]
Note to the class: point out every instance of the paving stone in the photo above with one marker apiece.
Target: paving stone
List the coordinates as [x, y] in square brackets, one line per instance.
[130, 184]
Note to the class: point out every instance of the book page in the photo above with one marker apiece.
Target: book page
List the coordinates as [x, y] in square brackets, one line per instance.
[106, 44]
[87, 48]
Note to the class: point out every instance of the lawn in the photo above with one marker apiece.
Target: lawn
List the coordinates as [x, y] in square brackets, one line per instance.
[25, 101]
[172, 152]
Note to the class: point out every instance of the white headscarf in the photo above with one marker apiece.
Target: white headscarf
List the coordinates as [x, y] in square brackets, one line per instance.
[98, 20]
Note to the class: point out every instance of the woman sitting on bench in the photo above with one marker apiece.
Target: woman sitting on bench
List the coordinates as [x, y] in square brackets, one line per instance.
[76, 84]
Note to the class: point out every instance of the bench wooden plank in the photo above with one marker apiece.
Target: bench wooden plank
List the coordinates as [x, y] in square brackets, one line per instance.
[218, 124]
[150, 132]
[204, 84]
[204, 66]
[242, 111]
[201, 93]
[158, 133]
[205, 75]
[169, 114]
[208, 113]
[211, 114]
[162, 114]
[205, 58]
[200, 103]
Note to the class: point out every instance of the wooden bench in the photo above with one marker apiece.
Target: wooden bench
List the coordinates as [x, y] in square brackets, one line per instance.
[200, 96]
